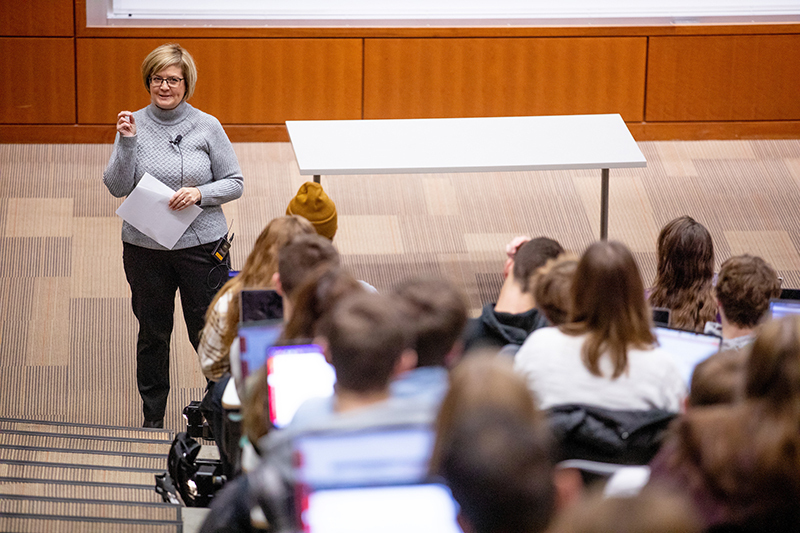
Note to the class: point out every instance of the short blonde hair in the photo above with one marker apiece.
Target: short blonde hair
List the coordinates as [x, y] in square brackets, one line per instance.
[165, 56]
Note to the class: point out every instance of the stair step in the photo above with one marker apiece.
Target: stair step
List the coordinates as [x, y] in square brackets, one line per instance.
[103, 509]
[79, 472]
[20, 438]
[86, 491]
[44, 455]
[58, 524]
[93, 430]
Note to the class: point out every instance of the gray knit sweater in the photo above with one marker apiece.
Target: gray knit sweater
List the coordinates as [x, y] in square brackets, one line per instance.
[209, 163]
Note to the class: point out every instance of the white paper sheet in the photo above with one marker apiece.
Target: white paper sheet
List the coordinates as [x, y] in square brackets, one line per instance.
[147, 209]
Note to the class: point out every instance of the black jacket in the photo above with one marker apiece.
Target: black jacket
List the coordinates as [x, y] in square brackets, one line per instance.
[607, 435]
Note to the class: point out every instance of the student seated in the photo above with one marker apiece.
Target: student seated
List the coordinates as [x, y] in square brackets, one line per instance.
[739, 463]
[685, 274]
[606, 357]
[222, 319]
[553, 288]
[494, 450]
[321, 291]
[744, 288]
[437, 315]
[719, 379]
[366, 339]
[514, 316]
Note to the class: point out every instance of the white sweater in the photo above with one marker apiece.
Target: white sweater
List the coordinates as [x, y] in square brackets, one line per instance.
[551, 362]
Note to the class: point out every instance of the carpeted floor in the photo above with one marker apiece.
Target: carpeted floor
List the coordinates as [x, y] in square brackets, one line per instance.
[67, 333]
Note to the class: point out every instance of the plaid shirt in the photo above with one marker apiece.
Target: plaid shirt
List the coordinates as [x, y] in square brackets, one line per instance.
[214, 356]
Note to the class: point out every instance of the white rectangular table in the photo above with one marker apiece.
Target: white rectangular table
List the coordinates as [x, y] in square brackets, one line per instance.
[450, 145]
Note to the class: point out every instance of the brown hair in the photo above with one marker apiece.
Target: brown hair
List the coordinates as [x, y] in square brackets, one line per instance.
[300, 257]
[438, 315]
[165, 56]
[654, 510]
[744, 288]
[743, 463]
[481, 379]
[685, 274]
[719, 379]
[366, 335]
[322, 289]
[773, 369]
[553, 288]
[531, 256]
[608, 304]
[259, 267]
[499, 468]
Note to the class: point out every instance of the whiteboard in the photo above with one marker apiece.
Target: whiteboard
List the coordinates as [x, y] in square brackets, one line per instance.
[259, 12]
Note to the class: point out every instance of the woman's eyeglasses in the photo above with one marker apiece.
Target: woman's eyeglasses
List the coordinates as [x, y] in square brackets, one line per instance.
[156, 81]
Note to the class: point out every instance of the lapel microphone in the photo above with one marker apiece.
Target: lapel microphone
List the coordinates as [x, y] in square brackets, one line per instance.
[177, 140]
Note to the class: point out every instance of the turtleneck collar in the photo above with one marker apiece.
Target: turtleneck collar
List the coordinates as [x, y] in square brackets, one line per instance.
[169, 117]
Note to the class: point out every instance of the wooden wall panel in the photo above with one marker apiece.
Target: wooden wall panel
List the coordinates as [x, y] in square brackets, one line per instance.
[427, 78]
[38, 81]
[715, 78]
[240, 81]
[46, 18]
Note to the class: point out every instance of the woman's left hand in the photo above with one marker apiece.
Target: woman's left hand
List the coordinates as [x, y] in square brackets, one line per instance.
[184, 197]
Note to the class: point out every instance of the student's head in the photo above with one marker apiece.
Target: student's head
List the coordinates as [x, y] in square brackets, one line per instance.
[719, 379]
[742, 460]
[530, 257]
[259, 267]
[482, 379]
[654, 510]
[322, 289]
[262, 262]
[300, 257]
[499, 468]
[773, 369]
[685, 273]
[312, 203]
[366, 334]
[169, 55]
[608, 303]
[553, 288]
[437, 314]
[744, 288]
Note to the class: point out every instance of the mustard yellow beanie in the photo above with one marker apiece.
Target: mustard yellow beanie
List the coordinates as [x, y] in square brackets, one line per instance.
[313, 204]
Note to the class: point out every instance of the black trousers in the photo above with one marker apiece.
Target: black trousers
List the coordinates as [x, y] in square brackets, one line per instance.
[154, 276]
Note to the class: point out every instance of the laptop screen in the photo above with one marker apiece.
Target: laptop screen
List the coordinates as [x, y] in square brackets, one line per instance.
[420, 508]
[388, 455]
[781, 308]
[687, 348]
[296, 374]
[255, 339]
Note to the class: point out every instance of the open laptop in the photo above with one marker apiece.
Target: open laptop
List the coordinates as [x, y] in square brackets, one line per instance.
[370, 479]
[421, 508]
[259, 304]
[255, 340]
[687, 348]
[295, 374]
[779, 308]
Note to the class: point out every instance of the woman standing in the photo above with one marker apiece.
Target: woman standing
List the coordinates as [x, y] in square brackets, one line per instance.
[188, 151]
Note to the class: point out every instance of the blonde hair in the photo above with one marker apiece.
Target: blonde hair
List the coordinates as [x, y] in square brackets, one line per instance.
[259, 267]
[168, 55]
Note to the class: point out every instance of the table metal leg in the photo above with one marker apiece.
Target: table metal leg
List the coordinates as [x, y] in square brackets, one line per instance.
[604, 205]
[316, 178]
